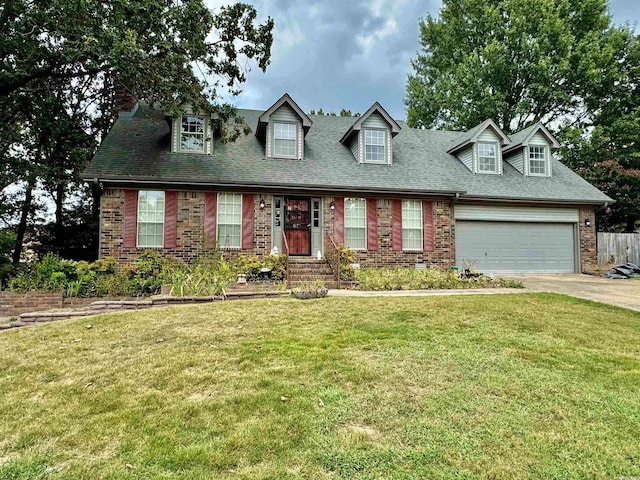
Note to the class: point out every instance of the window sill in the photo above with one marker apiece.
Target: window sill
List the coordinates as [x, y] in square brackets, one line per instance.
[195, 152]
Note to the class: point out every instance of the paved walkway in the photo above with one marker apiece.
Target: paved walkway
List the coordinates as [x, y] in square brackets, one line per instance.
[621, 293]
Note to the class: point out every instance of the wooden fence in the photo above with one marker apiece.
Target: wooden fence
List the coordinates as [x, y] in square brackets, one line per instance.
[618, 248]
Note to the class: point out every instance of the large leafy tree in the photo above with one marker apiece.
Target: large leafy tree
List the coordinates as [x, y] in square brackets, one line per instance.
[515, 61]
[608, 154]
[60, 60]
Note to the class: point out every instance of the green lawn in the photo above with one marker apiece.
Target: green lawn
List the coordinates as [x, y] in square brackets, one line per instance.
[495, 386]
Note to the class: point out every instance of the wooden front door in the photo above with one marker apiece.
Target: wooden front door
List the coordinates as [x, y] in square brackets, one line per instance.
[297, 225]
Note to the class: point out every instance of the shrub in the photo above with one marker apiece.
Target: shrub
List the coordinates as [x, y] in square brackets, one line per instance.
[250, 265]
[199, 280]
[148, 273]
[427, 279]
[310, 289]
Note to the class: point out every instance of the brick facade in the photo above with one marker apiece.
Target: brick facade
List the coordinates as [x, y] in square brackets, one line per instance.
[588, 247]
[191, 241]
[442, 256]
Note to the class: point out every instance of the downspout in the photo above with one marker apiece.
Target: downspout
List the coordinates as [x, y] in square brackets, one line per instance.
[97, 187]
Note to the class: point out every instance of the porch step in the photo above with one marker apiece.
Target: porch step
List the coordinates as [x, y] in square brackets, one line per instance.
[309, 269]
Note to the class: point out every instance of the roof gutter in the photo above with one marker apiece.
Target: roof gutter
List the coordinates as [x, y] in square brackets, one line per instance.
[272, 186]
[536, 200]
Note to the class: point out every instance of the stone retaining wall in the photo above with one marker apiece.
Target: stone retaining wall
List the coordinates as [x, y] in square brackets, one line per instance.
[107, 306]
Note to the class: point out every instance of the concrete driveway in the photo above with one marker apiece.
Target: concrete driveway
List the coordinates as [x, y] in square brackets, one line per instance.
[622, 293]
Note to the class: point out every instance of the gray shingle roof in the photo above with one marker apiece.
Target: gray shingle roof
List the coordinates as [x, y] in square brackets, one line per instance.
[138, 150]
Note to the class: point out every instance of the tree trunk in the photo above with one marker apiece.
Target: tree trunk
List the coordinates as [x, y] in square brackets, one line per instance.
[59, 210]
[22, 226]
[631, 224]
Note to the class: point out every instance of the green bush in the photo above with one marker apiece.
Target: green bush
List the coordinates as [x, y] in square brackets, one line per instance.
[250, 265]
[310, 289]
[201, 279]
[148, 272]
[427, 279]
[208, 275]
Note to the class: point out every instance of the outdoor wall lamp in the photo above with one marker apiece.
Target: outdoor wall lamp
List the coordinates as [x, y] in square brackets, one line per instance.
[332, 206]
[587, 222]
[261, 203]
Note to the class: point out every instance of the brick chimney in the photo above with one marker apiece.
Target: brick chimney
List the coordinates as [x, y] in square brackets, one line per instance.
[125, 102]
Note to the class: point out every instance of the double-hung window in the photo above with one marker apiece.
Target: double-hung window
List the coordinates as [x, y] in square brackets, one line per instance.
[537, 160]
[150, 219]
[284, 139]
[411, 225]
[374, 146]
[230, 220]
[192, 134]
[487, 158]
[355, 223]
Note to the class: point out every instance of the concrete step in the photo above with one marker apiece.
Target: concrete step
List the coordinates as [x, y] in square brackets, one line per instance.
[331, 285]
[293, 271]
[308, 276]
[305, 260]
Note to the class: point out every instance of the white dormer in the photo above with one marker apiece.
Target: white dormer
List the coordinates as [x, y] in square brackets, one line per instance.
[370, 137]
[283, 127]
[530, 151]
[480, 149]
[192, 133]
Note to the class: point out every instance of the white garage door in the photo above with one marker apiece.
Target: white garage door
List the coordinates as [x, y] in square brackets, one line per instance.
[516, 247]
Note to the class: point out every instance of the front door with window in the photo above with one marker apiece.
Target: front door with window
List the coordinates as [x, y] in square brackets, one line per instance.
[297, 225]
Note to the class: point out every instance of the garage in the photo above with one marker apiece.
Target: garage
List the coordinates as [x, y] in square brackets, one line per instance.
[516, 239]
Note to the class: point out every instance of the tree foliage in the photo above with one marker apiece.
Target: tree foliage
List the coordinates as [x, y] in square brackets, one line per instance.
[515, 61]
[60, 60]
[609, 154]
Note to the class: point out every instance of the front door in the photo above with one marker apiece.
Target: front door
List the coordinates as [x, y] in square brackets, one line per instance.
[297, 225]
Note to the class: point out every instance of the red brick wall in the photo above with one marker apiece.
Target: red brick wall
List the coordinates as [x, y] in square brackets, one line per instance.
[190, 238]
[13, 303]
[190, 232]
[588, 249]
[442, 256]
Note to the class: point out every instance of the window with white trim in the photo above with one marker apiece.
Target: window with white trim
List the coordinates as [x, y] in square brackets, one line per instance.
[230, 220]
[192, 134]
[374, 146]
[487, 158]
[355, 223]
[284, 139]
[150, 219]
[411, 225]
[537, 160]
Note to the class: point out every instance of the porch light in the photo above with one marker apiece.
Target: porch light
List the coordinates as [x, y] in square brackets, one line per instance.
[261, 203]
[332, 206]
[587, 222]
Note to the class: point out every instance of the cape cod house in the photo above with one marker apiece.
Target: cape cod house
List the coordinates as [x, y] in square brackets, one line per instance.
[393, 194]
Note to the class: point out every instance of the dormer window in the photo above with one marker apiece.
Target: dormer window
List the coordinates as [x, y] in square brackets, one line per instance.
[487, 158]
[192, 134]
[374, 146]
[537, 160]
[284, 140]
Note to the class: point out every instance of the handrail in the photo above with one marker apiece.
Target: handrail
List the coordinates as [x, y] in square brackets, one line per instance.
[285, 251]
[332, 254]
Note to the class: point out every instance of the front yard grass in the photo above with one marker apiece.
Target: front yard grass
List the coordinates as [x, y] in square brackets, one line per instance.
[489, 386]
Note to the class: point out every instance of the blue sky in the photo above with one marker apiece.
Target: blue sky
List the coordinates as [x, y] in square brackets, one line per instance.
[335, 54]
